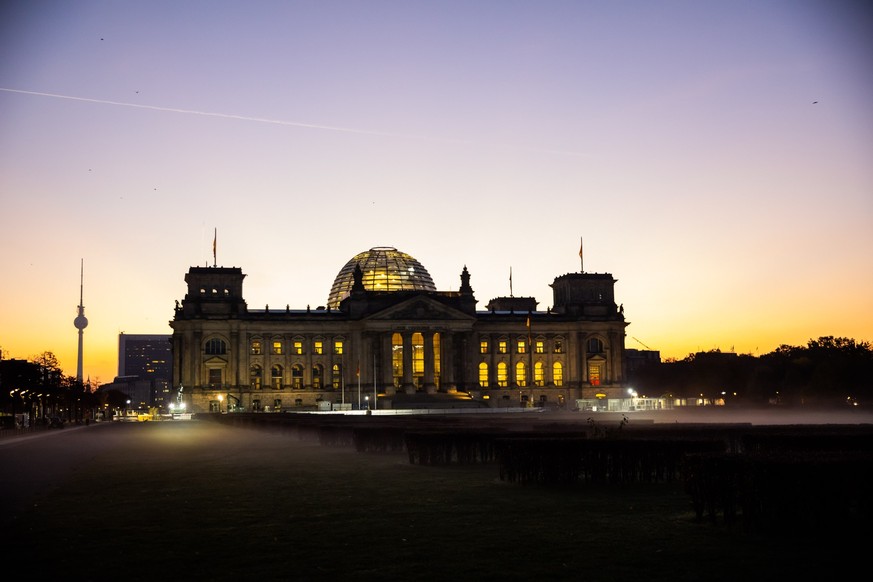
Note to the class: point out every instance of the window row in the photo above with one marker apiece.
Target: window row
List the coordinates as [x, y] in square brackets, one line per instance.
[277, 377]
[295, 347]
[539, 346]
[520, 377]
[521, 346]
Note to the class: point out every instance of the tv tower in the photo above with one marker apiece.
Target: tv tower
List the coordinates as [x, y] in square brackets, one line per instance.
[81, 322]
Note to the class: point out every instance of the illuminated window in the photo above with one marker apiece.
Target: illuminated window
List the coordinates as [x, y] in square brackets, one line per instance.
[397, 358]
[436, 359]
[417, 358]
[277, 405]
[256, 405]
[298, 347]
[215, 377]
[317, 375]
[318, 347]
[521, 374]
[539, 374]
[277, 347]
[256, 376]
[337, 376]
[540, 347]
[595, 373]
[483, 375]
[483, 346]
[338, 347]
[256, 347]
[276, 377]
[595, 346]
[501, 374]
[521, 346]
[558, 374]
[216, 347]
[297, 377]
[502, 347]
[558, 346]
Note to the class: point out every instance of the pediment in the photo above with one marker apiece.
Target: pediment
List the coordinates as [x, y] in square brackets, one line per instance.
[418, 309]
[215, 362]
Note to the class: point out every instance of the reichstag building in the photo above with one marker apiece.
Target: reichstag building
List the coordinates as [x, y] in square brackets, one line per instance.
[386, 333]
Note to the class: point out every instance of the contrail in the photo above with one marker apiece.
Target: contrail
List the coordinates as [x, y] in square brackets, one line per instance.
[271, 121]
[206, 113]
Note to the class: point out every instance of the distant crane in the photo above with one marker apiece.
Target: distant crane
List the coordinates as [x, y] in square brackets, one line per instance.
[642, 344]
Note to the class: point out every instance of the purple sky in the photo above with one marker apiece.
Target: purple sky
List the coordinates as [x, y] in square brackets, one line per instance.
[715, 157]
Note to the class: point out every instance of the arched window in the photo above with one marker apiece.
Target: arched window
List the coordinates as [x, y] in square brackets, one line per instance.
[483, 375]
[558, 374]
[317, 376]
[276, 377]
[520, 374]
[595, 346]
[501, 374]
[297, 377]
[216, 347]
[337, 376]
[256, 376]
[539, 374]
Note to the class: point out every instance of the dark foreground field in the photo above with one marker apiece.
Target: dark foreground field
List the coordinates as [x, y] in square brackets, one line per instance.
[200, 501]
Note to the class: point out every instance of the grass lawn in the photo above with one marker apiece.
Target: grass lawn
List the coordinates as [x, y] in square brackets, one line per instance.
[198, 501]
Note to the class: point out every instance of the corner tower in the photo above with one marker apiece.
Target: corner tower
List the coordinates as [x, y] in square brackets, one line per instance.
[213, 291]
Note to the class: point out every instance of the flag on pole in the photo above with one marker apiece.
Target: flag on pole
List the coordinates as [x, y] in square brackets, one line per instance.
[215, 248]
[581, 261]
[510, 281]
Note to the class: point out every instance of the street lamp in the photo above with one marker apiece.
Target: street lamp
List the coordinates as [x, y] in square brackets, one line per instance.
[220, 398]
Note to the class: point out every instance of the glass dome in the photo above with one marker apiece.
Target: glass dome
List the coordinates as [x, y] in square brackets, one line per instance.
[385, 269]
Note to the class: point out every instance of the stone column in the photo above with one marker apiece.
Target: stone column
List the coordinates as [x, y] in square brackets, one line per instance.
[408, 384]
[196, 359]
[387, 372]
[429, 385]
[448, 377]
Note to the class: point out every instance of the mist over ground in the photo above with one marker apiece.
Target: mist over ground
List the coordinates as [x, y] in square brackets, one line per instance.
[723, 414]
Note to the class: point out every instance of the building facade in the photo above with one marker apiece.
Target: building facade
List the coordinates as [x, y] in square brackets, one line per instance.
[387, 333]
[147, 359]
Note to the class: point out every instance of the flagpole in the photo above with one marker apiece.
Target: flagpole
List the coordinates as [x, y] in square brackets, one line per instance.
[375, 394]
[359, 384]
[214, 248]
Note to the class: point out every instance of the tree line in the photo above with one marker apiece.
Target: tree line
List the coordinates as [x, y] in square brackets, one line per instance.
[38, 389]
[826, 371]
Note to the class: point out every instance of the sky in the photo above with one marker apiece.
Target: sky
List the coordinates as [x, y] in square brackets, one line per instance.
[716, 157]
